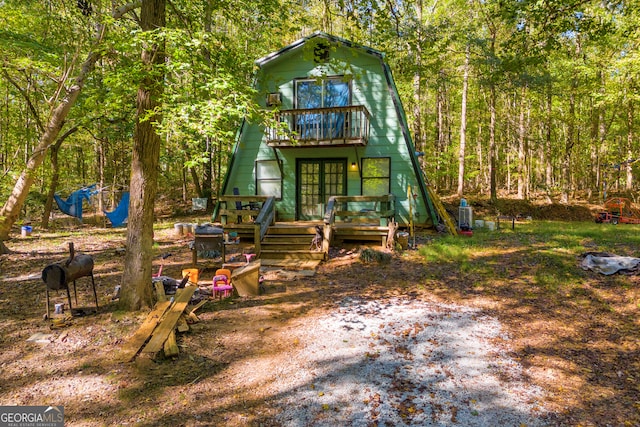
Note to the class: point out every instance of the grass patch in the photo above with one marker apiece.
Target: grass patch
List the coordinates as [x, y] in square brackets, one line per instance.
[542, 254]
[448, 249]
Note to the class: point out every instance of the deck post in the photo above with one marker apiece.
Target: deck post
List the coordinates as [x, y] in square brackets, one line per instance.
[257, 238]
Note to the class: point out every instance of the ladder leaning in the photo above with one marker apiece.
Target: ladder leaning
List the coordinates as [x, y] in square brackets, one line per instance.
[442, 212]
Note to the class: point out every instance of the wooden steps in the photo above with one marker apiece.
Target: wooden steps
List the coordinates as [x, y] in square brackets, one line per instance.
[291, 264]
[287, 245]
[291, 254]
[359, 233]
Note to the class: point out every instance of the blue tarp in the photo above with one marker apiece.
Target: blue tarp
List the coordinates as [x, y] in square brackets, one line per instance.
[73, 205]
[121, 212]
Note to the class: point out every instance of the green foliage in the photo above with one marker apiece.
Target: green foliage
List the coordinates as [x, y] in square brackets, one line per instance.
[589, 50]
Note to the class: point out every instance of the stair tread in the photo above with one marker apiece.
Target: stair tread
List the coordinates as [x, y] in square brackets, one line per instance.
[306, 264]
[286, 251]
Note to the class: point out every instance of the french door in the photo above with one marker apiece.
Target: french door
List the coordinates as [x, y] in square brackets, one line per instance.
[317, 180]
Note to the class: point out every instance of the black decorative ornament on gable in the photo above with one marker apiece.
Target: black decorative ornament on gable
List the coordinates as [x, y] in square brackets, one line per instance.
[321, 52]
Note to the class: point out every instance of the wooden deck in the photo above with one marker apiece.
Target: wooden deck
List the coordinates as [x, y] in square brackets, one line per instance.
[288, 244]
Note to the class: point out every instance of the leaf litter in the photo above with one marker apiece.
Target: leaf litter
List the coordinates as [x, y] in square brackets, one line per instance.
[404, 361]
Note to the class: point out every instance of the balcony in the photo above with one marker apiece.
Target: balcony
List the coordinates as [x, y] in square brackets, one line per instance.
[332, 127]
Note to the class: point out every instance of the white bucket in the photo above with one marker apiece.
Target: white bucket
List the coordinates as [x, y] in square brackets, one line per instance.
[491, 225]
[479, 223]
[26, 230]
[188, 228]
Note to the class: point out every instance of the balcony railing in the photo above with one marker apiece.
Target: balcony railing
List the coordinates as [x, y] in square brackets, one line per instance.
[335, 126]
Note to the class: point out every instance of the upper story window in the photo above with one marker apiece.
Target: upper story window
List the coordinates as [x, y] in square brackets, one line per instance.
[329, 92]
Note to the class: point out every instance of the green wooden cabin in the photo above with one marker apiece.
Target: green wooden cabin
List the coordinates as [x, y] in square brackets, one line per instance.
[339, 129]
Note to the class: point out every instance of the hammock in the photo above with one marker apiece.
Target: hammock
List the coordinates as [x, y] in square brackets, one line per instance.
[73, 205]
[120, 213]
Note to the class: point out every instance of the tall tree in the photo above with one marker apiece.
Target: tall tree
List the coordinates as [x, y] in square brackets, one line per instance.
[463, 122]
[523, 148]
[136, 277]
[10, 212]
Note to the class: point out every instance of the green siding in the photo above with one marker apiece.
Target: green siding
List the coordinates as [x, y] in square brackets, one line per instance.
[369, 88]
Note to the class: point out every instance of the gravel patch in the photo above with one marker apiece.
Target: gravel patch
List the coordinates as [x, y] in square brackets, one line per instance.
[405, 362]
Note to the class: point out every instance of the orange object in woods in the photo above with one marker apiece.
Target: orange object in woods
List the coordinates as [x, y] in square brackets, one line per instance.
[192, 273]
[224, 271]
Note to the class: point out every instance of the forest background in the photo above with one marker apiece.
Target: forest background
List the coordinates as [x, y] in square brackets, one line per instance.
[503, 97]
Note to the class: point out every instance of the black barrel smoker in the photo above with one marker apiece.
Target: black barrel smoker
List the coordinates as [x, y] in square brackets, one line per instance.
[58, 276]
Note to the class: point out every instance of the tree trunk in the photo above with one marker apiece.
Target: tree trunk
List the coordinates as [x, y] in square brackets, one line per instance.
[592, 180]
[184, 183]
[523, 149]
[482, 178]
[11, 210]
[417, 112]
[439, 135]
[196, 181]
[463, 122]
[100, 163]
[53, 185]
[48, 205]
[548, 169]
[207, 180]
[569, 143]
[492, 143]
[597, 122]
[136, 285]
[602, 136]
[630, 134]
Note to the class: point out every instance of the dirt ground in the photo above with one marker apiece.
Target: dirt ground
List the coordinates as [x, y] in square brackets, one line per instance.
[588, 370]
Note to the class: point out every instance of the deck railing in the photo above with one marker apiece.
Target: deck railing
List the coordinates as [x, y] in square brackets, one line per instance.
[369, 210]
[333, 126]
[257, 212]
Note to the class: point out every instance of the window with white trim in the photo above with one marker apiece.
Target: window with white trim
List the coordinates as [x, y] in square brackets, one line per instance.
[268, 178]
